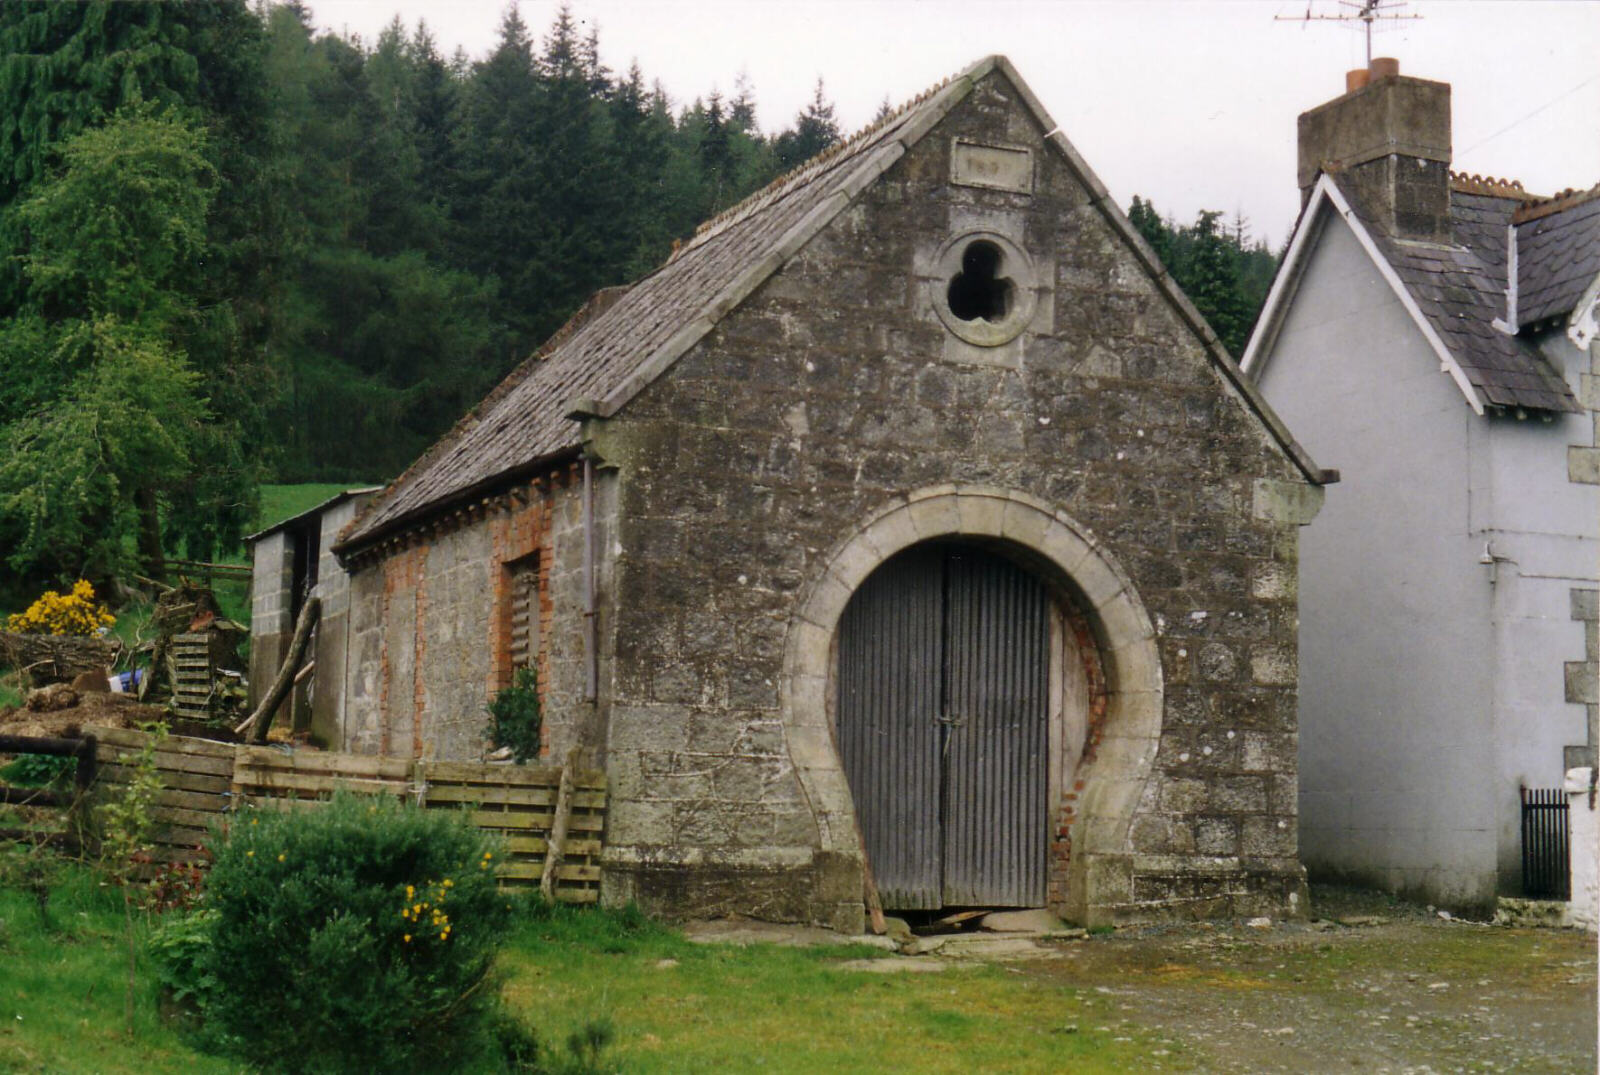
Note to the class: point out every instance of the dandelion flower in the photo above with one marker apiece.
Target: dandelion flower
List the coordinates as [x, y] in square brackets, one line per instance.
[250, 854]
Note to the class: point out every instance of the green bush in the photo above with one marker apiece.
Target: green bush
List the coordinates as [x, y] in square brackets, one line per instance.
[180, 948]
[38, 771]
[359, 936]
[514, 717]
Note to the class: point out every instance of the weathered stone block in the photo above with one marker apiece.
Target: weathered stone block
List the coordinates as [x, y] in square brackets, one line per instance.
[1216, 836]
[1296, 503]
[1267, 837]
[1273, 581]
[1217, 663]
[1183, 796]
[1238, 795]
[1581, 682]
[1273, 666]
[1583, 465]
[1266, 751]
[649, 728]
[1161, 835]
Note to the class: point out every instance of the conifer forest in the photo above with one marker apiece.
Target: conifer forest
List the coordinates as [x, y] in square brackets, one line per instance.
[236, 250]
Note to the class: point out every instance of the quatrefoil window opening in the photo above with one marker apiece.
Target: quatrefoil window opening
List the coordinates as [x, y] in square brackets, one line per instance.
[978, 290]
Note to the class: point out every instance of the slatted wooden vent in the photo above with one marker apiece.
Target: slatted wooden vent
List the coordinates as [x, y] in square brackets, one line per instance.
[525, 613]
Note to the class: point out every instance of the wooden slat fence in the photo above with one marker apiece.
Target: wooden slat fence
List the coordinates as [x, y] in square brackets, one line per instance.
[276, 779]
[520, 803]
[196, 782]
[70, 806]
[205, 782]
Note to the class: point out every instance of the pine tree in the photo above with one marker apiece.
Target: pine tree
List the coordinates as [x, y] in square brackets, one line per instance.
[815, 130]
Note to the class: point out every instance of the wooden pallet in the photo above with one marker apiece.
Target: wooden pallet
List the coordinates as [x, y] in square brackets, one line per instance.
[191, 676]
[277, 779]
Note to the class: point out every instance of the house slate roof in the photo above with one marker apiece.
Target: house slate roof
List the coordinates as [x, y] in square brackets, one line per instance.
[613, 349]
[1459, 289]
[1558, 254]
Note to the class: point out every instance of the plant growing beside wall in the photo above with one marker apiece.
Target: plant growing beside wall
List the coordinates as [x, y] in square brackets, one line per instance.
[515, 721]
[126, 823]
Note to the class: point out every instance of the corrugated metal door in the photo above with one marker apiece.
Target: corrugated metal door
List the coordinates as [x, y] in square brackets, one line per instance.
[997, 674]
[891, 670]
[943, 728]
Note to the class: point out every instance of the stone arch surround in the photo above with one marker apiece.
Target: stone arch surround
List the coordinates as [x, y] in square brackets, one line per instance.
[1114, 779]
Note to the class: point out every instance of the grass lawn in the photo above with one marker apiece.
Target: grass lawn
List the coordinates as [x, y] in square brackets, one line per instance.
[675, 1006]
[63, 986]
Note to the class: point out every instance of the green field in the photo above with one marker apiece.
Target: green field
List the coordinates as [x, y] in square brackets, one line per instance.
[675, 1006]
[280, 502]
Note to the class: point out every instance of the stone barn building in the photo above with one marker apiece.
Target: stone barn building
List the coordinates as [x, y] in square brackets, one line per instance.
[906, 528]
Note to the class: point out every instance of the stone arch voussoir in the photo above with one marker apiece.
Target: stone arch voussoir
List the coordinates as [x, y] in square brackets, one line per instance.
[1114, 775]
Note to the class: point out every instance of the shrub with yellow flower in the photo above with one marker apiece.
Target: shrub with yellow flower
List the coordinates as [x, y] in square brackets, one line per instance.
[73, 613]
[358, 936]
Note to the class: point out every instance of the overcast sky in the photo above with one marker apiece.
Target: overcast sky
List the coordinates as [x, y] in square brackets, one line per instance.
[1191, 103]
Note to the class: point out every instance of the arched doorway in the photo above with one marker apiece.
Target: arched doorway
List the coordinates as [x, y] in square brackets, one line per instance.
[1092, 856]
[951, 725]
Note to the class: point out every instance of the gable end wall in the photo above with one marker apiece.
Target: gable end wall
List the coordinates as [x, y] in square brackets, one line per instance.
[1396, 675]
[833, 390]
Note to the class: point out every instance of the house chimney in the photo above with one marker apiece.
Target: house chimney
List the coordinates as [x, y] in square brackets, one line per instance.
[1388, 136]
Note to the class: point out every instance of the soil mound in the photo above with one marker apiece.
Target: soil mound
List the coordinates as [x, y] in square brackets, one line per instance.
[110, 710]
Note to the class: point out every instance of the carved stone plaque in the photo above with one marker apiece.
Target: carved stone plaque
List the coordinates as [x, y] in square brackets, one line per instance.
[973, 164]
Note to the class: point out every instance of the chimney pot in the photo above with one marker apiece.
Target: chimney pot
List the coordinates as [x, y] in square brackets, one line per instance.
[1384, 67]
[1355, 80]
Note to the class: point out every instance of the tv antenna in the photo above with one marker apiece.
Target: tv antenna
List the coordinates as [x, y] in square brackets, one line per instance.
[1364, 11]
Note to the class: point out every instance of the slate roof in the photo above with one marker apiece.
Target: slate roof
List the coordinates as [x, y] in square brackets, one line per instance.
[1460, 288]
[625, 339]
[525, 420]
[1558, 254]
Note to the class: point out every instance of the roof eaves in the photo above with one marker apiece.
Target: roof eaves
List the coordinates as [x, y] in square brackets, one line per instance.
[1286, 284]
[349, 542]
[1584, 324]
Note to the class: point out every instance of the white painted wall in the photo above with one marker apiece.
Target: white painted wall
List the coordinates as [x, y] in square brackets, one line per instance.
[1584, 909]
[1396, 669]
[1549, 529]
